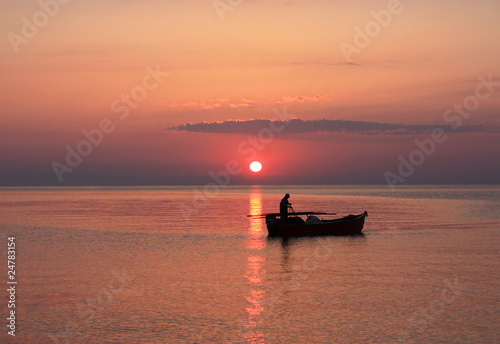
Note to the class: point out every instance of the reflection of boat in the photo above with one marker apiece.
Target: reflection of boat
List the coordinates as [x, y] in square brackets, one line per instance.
[296, 226]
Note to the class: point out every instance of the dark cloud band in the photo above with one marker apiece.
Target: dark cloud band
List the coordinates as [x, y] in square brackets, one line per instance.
[324, 125]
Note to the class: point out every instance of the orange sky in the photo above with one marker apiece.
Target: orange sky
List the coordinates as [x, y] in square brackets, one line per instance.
[239, 62]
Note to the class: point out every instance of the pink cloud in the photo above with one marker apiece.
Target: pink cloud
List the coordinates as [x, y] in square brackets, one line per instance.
[307, 98]
[207, 104]
[244, 103]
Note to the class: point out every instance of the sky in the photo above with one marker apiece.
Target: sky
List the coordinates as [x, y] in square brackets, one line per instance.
[188, 92]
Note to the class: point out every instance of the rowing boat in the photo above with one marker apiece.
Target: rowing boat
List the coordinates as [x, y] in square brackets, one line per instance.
[296, 226]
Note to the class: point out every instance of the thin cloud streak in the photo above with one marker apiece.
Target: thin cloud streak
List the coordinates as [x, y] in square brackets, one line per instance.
[207, 104]
[300, 126]
[308, 99]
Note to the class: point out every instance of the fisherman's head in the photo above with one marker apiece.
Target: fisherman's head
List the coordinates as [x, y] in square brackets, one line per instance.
[287, 196]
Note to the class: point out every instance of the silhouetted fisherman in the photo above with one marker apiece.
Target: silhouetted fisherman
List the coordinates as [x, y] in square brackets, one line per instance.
[284, 205]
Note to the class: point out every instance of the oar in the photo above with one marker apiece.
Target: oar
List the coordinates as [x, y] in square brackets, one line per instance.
[294, 213]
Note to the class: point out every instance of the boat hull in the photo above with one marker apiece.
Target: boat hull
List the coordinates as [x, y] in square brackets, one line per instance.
[349, 225]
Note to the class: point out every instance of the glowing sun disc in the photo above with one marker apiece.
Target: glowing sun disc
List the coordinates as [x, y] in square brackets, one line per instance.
[255, 166]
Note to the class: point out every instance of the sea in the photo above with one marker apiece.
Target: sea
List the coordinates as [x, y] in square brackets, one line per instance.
[186, 264]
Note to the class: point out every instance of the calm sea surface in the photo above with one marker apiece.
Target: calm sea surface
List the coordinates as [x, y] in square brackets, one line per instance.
[173, 265]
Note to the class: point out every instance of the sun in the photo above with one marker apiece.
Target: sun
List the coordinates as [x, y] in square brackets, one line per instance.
[255, 166]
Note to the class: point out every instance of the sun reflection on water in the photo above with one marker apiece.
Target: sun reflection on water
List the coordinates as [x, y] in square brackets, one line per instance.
[255, 272]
